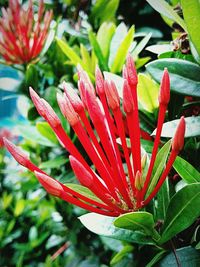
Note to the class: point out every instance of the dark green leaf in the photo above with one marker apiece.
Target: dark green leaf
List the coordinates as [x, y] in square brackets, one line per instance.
[182, 211]
[156, 258]
[184, 75]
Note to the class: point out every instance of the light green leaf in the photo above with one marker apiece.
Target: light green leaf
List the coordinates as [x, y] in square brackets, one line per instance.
[192, 127]
[122, 51]
[19, 207]
[159, 164]
[54, 163]
[182, 211]
[141, 45]
[187, 172]
[165, 9]
[147, 93]
[120, 255]
[191, 13]
[138, 221]
[103, 225]
[184, 75]
[45, 130]
[86, 57]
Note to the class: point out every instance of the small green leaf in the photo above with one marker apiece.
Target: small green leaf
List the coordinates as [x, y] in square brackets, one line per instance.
[120, 255]
[137, 221]
[192, 127]
[122, 51]
[45, 130]
[54, 163]
[141, 45]
[159, 165]
[184, 75]
[19, 207]
[98, 52]
[147, 93]
[156, 258]
[165, 9]
[182, 211]
[187, 172]
[103, 225]
[86, 57]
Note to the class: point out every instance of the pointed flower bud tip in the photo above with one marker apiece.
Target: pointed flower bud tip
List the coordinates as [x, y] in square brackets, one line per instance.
[16, 152]
[128, 103]
[112, 95]
[84, 177]
[52, 186]
[49, 114]
[73, 98]
[178, 139]
[164, 95]
[99, 81]
[131, 71]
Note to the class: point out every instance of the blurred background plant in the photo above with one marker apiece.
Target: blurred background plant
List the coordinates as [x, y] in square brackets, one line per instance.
[39, 230]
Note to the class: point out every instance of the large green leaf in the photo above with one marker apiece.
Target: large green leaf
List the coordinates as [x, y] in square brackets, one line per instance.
[165, 9]
[159, 165]
[122, 51]
[182, 211]
[184, 75]
[104, 37]
[191, 13]
[187, 257]
[192, 127]
[187, 172]
[147, 93]
[138, 221]
[103, 225]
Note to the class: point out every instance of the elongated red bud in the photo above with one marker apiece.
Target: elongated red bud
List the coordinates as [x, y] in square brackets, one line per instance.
[131, 71]
[51, 186]
[128, 103]
[82, 75]
[178, 139]
[17, 153]
[67, 109]
[84, 177]
[99, 81]
[37, 101]
[94, 108]
[164, 95]
[112, 95]
[74, 98]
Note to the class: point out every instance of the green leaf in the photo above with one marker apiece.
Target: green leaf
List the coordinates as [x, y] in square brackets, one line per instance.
[104, 37]
[120, 255]
[141, 45]
[122, 51]
[165, 9]
[45, 130]
[32, 134]
[163, 199]
[182, 211]
[147, 93]
[184, 75]
[191, 13]
[83, 191]
[137, 221]
[103, 225]
[69, 52]
[192, 127]
[98, 52]
[54, 163]
[19, 207]
[187, 172]
[187, 256]
[159, 165]
[156, 258]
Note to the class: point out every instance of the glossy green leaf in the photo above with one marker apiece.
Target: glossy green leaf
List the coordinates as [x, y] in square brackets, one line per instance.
[103, 225]
[192, 127]
[163, 198]
[159, 165]
[104, 37]
[122, 51]
[83, 191]
[32, 134]
[98, 52]
[54, 163]
[45, 130]
[147, 93]
[137, 221]
[165, 9]
[187, 256]
[184, 75]
[187, 172]
[191, 13]
[120, 255]
[182, 211]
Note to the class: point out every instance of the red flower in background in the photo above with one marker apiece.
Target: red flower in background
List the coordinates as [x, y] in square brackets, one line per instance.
[22, 33]
[120, 190]
[5, 133]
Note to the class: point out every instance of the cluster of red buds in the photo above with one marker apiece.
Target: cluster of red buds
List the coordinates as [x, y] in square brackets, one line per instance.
[22, 33]
[117, 179]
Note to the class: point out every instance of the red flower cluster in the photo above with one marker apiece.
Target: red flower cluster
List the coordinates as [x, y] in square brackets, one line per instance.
[119, 189]
[22, 35]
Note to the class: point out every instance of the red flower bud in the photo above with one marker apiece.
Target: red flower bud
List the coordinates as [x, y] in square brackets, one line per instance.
[164, 95]
[178, 139]
[112, 95]
[128, 103]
